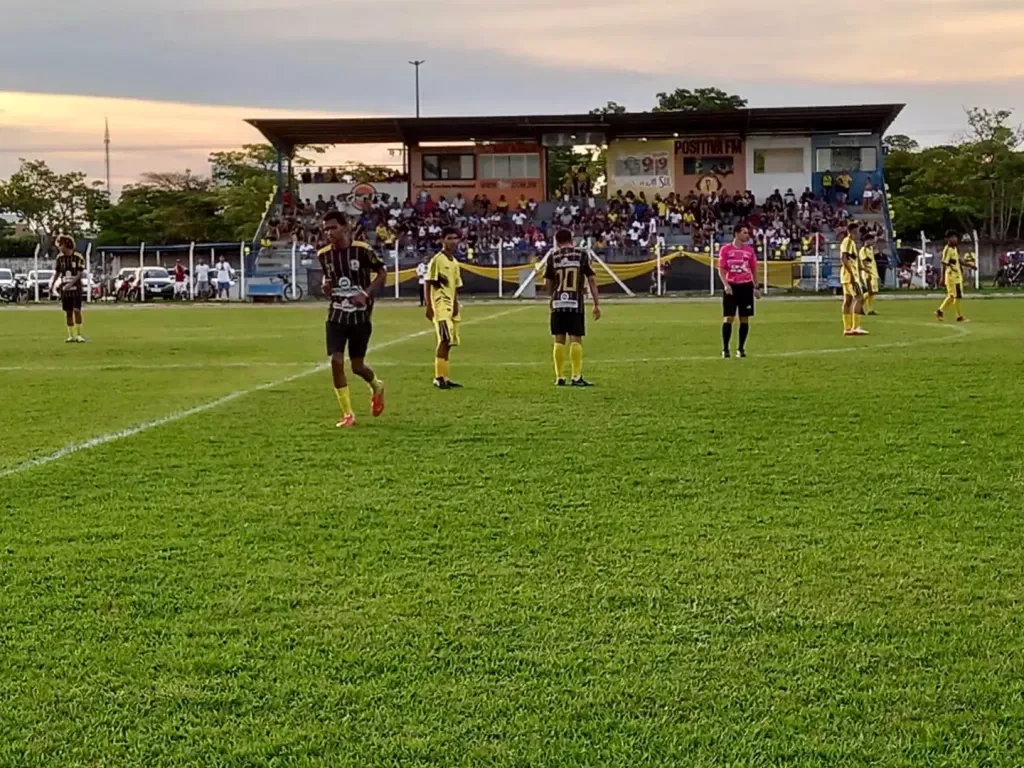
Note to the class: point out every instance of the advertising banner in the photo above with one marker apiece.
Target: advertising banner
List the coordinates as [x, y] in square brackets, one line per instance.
[641, 166]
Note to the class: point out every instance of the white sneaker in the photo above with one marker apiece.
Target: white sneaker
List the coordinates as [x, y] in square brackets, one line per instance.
[70, 340]
[860, 332]
[80, 339]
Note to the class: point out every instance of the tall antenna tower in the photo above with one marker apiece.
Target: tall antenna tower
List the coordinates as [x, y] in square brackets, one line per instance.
[106, 146]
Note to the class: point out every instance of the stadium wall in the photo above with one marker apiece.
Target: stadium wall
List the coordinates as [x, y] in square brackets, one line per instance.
[471, 180]
[778, 162]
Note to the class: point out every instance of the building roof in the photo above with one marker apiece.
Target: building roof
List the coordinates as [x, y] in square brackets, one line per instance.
[869, 118]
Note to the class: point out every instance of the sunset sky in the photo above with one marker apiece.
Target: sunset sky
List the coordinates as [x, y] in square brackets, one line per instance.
[177, 77]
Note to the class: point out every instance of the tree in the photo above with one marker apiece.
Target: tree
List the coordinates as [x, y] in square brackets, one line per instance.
[898, 142]
[361, 173]
[611, 108]
[683, 99]
[154, 214]
[51, 202]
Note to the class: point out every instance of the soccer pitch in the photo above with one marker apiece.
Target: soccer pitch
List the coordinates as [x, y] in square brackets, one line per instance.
[812, 556]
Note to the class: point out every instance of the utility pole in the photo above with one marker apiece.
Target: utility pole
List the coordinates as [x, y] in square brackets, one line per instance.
[416, 63]
[106, 145]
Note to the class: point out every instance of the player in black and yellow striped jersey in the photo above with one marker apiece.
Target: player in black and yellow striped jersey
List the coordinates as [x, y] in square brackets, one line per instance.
[443, 280]
[353, 273]
[953, 272]
[567, 275]
[849, 277]
[869, 272]
[69, 270]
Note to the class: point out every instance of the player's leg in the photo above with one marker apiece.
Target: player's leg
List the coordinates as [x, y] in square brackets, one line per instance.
[958, 295]
[746, 311]
[78, 320]
[336, 339]
[68, 305]
[728, 318]
[359, 342]
[948, 301]
[858, 309]
[442, 330]
[558, 333]
[848, 297]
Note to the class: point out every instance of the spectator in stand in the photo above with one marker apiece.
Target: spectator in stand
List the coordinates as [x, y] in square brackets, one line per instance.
[318, 177]
[807, 196]
[307, 176]
[332, 177]
[421, 276]
[531, 207]
[202, 278]
[521, 204]
[789, 198]
[826, 187]
[459, 204]
[502, 206]
[843, 182]
[871, 199]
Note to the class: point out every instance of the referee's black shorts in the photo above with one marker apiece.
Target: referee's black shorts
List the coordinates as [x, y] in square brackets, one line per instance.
[568, 324]
[740, 301]
[356, 336]
[71, 302]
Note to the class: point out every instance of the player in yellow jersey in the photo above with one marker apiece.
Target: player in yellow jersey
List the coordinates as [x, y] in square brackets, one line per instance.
[869, 272]
[444, 278]
[849, 275]
[952, 267]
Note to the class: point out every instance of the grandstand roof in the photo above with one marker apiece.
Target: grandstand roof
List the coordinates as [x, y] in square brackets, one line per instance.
[286, 134]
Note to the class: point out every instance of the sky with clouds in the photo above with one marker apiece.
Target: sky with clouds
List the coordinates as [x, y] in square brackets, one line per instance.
[177, 77]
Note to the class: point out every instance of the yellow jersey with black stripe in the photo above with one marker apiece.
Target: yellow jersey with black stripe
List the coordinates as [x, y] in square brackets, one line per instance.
[953, 263]
[868, 264]
[445, 279]
[848, 250]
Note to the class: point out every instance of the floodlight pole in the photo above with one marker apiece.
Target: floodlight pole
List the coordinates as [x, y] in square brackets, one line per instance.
[416, 63]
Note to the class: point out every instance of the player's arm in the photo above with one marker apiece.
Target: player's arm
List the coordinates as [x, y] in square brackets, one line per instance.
[588, 270]
[429, 284]
[721, 272]
[53, 280]
[455, 291]
[77, 279]
[380, 274]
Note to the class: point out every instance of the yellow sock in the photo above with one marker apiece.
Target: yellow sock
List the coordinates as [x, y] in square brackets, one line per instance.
[847, 322]
[78, 330]
[71, 332]
[856, 320]
[869, 302]
[945, 303]
[956, 306]
[440, 368]
[375, 386]
[344, 400]
[559, 361]
[576, 359]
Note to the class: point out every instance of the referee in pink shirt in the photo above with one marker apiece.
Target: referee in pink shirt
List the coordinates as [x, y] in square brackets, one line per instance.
[737, 265]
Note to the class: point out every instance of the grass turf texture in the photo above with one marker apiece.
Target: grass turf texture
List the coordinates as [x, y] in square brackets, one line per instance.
[808, 557]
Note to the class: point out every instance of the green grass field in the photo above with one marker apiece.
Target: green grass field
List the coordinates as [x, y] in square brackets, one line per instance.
[814, 556]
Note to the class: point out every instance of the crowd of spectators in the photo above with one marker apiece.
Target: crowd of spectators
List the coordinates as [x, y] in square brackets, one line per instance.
[785, 222]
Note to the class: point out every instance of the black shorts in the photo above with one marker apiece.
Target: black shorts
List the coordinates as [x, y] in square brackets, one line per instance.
[568, 324]
[740, 301]
[71, 302]
[357, 336]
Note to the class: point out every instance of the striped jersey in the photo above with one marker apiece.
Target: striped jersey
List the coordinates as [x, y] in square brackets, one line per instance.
[568, 270]
[67, 269]
[349, 270]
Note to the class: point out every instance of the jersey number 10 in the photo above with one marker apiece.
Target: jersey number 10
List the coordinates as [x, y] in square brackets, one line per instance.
[568, 279]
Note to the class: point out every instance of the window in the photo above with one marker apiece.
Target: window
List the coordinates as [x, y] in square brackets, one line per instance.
[698, 166]
[523, 166]
[847, 159]
[448, 167]
[783, 160]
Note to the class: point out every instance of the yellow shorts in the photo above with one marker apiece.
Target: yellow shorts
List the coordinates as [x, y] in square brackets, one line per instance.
[955, 289]
[447, 330]
[851, 289]
[871, 284]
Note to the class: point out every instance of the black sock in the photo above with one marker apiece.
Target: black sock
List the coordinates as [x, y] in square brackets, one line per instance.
[726, 335]
[744, 330]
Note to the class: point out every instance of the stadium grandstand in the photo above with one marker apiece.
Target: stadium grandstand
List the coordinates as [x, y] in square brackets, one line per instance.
[673, 186]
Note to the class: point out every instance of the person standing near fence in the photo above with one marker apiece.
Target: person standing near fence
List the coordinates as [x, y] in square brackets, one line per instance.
[953, 272]
[421, 277]
[869, 272]
[69, 269]
[849, 276]
[224, 275]
[737, 267]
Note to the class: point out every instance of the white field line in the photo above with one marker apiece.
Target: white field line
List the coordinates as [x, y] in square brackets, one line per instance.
[199, 364]
[67, 450]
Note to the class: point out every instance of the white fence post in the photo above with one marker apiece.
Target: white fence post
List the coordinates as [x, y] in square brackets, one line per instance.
[35, 269]
[501, 268]
[142, 275]
[766, 264]
[241, 271]
[295, 248]
[977, 262]
[398, 290]
[88, 272]
[711, 270]
[192, 271]
[817, 262]
[923, 262]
